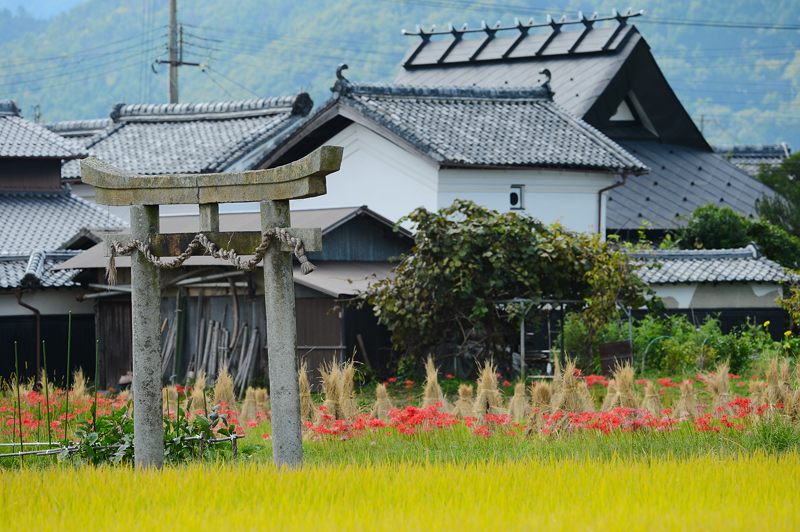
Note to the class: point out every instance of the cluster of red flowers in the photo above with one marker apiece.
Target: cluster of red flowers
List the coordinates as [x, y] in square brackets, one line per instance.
[606, 421]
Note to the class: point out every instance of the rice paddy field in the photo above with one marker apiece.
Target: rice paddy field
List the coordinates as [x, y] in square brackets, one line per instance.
[748, 492]
[579, 453]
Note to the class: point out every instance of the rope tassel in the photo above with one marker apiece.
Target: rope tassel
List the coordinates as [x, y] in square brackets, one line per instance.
[201, 241]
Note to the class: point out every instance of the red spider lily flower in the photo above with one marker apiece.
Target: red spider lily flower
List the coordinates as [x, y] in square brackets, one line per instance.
[506, 384]
[449, 376]
[641, 381]
[391, 380]
[252, 423]
[734, 377]
[266, 436]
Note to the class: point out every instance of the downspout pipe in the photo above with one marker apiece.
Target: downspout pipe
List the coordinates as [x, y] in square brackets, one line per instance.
[38, 316]
[600, 193]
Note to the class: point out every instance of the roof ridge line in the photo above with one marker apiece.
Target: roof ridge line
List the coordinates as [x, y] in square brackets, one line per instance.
[298, 104]
[345, 87]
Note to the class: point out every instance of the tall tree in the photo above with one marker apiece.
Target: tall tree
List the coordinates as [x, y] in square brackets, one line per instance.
[782, 209]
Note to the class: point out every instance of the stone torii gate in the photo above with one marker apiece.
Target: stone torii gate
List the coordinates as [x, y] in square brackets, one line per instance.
[273, 188]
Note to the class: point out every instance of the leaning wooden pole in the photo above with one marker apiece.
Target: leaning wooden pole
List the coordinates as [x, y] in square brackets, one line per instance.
[287, 442]
[148, 424]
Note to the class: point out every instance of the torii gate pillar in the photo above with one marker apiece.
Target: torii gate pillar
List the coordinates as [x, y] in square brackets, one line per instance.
[287, 439]
[272, 187]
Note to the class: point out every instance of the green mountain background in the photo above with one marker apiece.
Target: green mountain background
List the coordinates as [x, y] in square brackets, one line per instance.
[76, 59]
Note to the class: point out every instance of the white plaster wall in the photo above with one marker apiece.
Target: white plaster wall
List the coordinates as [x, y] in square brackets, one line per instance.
[719, 296]
[567, 197]
[377, 173]
[49, 302]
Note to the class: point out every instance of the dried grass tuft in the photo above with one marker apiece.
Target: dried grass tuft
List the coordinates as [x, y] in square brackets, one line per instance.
[686, 407]
[572, 395]
[718, 386]
[464, 405]
[651, 401]
[170, 403]
[306, 402]
[329, 373]
[223, 388]
[348, 407]
[541, 397]
[433, 391]
[612, 396]
[249, 411]
[383, 404]
[519, 407]
[624, 376]
[489, 399]
[197, 402]
[262, 401]
[79, 384]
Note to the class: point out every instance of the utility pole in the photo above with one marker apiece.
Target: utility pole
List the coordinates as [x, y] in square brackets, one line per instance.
[175, 49]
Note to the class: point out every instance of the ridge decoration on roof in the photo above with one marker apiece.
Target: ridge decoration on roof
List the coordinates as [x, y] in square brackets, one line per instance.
[525, 43]
[37, 270]
[193, 138]
[20, 138]
[485, 127]
[709, 266]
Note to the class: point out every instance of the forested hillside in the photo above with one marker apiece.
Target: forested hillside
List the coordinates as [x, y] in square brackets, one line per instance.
[741, 84]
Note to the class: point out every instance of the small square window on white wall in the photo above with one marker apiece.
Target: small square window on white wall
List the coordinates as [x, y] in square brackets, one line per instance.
[516, 197]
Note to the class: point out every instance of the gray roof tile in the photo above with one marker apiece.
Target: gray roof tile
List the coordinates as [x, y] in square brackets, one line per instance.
[468, 126]
[46, 221]
[22, 138]
[81, 130]
[191, 137]
[709, 266]
[36, 270]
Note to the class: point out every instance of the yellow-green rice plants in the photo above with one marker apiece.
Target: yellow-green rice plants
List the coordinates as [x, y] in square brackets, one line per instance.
[750, 492]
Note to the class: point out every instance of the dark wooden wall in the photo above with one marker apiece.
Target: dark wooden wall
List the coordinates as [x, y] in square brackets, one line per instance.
[363, 239]
[114, 334]
[35, 175]
[22, 329]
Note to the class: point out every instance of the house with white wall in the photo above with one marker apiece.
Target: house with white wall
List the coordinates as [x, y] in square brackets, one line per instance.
[503, 148]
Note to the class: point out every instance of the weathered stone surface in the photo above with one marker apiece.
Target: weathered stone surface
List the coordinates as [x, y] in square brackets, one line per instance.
[209, 217]
[244, 243]
[287, 441]
[300, 179]
[148, 425]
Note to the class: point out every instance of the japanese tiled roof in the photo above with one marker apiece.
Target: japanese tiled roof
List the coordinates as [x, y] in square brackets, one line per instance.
[491, 55]
[751, 158]
[36, 270]
[35, 229]
[192, 137]
[80, 130]
[20, 138]
[681, 179]
[709, 266]
[489, 127]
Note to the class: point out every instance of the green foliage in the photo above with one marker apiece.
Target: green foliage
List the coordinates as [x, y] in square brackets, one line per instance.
[783, 209]
[712, 227]
[672, 344]
[451, 291]
[110, 440]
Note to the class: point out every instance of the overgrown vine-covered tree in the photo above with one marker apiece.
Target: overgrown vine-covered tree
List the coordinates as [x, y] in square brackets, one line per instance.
[450, 292]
